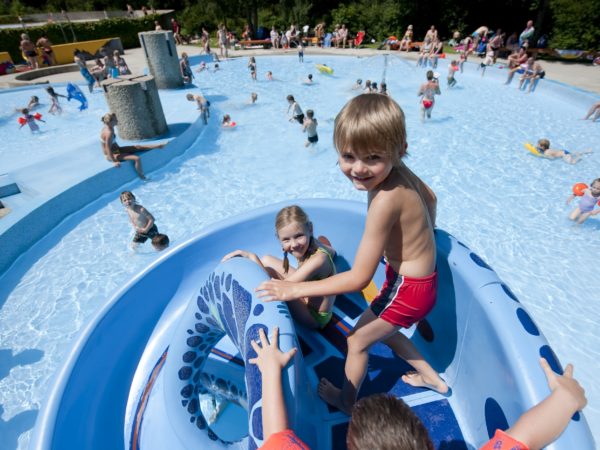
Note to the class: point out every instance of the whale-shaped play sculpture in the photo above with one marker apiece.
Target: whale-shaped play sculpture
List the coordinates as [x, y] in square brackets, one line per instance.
[165, 363]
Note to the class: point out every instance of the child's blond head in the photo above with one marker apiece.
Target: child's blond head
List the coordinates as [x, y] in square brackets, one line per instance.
[371, 123]
[190, 97]
[286, 216]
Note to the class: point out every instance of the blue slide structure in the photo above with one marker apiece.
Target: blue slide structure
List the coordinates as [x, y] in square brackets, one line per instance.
[165, 363]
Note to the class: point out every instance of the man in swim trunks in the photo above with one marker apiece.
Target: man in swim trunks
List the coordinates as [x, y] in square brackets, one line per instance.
[427, 92]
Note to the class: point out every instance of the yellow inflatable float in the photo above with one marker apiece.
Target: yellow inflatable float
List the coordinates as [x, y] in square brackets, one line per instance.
[324, 68]
[532, 149]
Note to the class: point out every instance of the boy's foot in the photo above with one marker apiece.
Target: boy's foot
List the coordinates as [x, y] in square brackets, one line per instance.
[332, 396]
[416, 379]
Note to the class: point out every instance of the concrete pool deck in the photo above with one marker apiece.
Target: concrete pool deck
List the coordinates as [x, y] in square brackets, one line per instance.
[583, 76]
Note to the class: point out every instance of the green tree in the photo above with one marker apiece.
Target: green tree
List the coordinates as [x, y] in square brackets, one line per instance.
[575, 24]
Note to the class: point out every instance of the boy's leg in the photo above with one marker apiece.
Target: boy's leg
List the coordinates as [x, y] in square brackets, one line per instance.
[425, 375]
[369, 330]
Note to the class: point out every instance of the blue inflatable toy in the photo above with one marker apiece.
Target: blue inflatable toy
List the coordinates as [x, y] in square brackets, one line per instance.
[74, 92]
[165, 364]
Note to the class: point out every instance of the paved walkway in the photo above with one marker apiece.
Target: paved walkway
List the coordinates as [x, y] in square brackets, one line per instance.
[584, 76]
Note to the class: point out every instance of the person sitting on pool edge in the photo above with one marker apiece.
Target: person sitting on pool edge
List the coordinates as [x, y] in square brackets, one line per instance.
[383, 421]
[143, 223]
[115, 153]
[543, 146]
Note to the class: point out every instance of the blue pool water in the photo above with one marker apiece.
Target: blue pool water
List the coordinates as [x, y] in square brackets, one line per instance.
[506, 204]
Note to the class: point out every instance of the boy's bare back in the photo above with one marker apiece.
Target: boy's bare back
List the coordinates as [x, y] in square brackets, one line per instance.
[409, 205]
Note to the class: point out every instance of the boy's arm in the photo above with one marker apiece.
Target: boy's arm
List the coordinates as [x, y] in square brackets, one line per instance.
[542, 424]
[270, 361]
[380, 220]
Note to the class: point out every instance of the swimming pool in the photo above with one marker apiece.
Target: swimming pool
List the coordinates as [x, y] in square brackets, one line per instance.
[493, 195]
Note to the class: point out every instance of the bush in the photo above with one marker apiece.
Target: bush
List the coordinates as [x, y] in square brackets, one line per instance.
[574, 24]
[126, 29]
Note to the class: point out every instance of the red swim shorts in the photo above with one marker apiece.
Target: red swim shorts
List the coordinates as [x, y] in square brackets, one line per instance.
[427, 103]
[404, 301]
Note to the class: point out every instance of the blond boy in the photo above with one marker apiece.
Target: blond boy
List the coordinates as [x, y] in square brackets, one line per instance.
[370, 138]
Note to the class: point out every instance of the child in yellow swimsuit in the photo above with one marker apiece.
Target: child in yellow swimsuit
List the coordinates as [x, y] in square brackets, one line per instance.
[315, 262]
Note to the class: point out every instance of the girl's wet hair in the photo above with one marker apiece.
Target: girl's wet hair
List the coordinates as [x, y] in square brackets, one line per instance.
[50, 91]
[106, 118]
[286, 216]
[371, 124]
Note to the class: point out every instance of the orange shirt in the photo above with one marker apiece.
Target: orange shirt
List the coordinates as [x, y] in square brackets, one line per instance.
[284, 440]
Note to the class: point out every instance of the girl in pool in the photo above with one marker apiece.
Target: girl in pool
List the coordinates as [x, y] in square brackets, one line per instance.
[227, 122]
[543, 146]
[55, 106]
[115, 153]
[34, 102]
[589, 198]
[315, 262]
[29, 119]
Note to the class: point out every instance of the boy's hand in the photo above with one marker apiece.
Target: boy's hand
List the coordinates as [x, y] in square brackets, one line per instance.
[268, 356]
[565, 384]
[274, 290]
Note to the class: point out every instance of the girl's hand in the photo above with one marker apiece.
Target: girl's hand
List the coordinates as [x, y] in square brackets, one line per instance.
[242, 253]
[268, 356]
[117, 163]
[274, 290]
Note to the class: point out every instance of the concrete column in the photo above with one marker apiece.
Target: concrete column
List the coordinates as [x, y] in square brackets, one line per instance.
[161, 56]
[135, 101]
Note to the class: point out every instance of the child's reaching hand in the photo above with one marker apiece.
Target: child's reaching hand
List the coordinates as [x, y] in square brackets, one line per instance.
[269, 359]
[570, 388]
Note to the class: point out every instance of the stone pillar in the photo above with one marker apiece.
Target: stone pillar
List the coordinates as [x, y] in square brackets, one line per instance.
[135, 101]
[161, 56]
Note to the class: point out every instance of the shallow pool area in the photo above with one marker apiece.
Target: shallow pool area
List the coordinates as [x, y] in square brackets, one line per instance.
[504, 203]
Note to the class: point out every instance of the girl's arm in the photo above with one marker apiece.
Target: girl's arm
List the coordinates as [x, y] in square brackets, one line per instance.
[380, 220]
[243, 253]
[571, 197]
